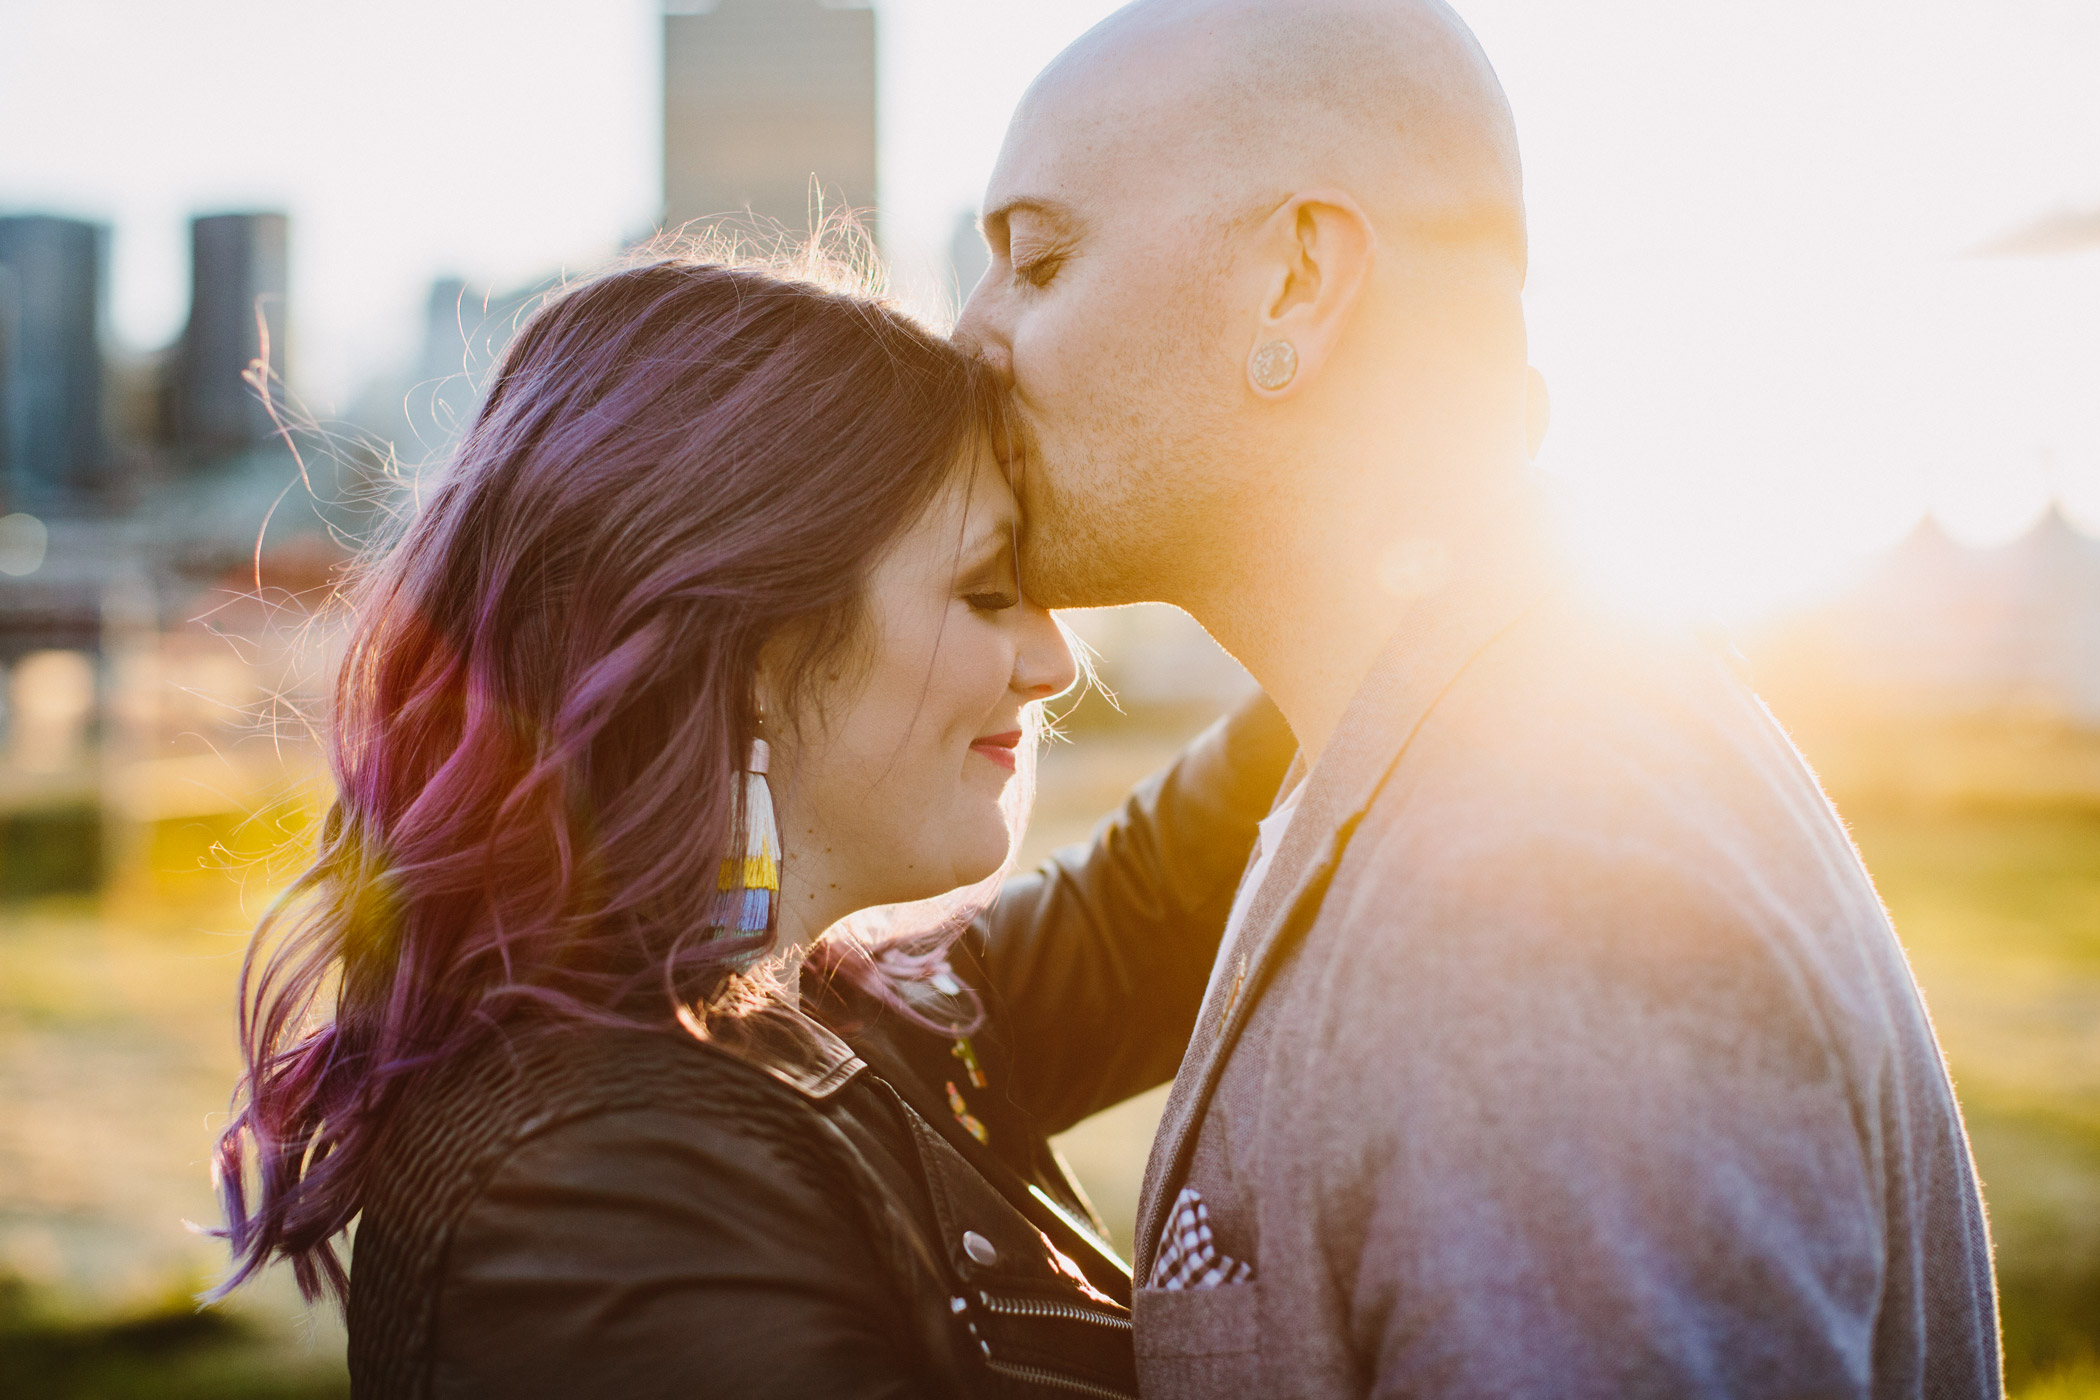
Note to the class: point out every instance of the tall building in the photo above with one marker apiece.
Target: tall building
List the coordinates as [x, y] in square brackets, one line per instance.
[52, 450]
[759, 97]
[239, 270]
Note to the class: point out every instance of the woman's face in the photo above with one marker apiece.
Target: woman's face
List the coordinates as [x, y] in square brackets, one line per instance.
[889, 785]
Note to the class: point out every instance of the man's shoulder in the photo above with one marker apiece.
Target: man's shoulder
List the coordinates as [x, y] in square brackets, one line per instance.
[1575, 716]
[1597, 799]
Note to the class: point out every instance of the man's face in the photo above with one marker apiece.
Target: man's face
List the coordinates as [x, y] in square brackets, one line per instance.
[1105, 305]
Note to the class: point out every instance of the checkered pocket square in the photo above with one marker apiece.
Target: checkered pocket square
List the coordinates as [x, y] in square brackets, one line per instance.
[1188, 1257]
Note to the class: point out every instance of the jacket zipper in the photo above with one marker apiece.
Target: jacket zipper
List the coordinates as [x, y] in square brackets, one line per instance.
[1043, 1307]
[1036, 1375]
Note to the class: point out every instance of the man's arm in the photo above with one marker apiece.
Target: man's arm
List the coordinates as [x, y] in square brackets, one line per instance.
[1098, 958]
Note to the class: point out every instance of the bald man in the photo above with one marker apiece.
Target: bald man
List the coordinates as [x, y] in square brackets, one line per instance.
[1558, 1044]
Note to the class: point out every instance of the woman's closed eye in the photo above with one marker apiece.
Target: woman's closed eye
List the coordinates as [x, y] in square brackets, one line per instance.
[991, 600]
[991, 585]
[989, 579]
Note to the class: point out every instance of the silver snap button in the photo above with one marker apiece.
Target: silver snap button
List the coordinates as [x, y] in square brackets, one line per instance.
[979, 1248]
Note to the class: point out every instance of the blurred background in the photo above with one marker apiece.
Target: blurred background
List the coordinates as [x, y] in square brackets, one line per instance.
[1816, 286]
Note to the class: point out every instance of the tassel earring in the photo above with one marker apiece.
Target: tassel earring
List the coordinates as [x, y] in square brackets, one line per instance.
[750, 888]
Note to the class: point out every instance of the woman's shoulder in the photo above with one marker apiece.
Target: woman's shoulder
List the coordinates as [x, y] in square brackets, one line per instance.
[661, 1112]
[585, 1150]
[452, 1125]
[592, 1210]
[527, 1080]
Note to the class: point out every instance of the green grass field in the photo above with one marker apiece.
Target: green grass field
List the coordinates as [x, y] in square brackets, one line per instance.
[116, 1056]
[1999, 908]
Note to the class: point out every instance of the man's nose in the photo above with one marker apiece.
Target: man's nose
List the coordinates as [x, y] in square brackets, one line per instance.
[977, 331]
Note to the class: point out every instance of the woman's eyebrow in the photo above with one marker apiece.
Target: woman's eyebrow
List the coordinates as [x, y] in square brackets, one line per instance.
[990, 539]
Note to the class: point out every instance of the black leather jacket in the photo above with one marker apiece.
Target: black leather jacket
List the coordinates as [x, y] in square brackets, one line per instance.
[838, 1203]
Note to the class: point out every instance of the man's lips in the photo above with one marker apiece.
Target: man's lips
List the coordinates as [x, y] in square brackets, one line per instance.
[999, 748]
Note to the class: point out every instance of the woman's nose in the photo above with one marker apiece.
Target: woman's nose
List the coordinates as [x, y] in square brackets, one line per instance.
[1043, 665]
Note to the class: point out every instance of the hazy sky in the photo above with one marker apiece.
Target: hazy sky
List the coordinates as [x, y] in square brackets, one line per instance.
[1749, 288]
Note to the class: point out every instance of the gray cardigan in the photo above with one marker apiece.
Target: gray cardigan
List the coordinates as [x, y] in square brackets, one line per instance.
[1573, 1056]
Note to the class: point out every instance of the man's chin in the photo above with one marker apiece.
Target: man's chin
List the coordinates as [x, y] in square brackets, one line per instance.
[1062, 556]
[1073, 550]
[1072, 573]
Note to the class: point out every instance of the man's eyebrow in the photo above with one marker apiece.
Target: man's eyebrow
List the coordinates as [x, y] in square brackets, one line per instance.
[1054, 210]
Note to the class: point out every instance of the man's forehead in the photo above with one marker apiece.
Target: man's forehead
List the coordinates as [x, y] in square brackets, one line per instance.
[1053, 150]
[1081, 133]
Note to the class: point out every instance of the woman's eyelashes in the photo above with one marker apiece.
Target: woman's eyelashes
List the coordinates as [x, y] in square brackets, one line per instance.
[991, 600]
[991, 587]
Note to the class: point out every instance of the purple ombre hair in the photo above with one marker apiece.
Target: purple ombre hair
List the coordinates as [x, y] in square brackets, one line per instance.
[548, 688]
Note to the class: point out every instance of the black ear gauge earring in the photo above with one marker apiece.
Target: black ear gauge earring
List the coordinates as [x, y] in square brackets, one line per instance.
[1273, 365]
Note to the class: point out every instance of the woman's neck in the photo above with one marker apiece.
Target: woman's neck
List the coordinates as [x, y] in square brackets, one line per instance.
[810, 903]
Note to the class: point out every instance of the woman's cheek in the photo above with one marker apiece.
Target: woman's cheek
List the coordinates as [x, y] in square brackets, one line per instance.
[957, 686]
[999, 643]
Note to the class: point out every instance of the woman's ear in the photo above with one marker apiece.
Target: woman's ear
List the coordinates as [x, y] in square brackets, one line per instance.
[1320, 247]
[784, 692]
[765, 691]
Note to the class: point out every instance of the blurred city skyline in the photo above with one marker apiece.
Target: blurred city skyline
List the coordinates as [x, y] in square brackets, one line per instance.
[1799, 272]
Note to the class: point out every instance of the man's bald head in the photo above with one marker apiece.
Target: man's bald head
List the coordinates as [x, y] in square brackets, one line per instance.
[1392, 100]
[1195, 184]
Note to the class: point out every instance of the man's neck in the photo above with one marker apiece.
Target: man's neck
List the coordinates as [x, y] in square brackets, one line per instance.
[1309, 607]
[1309, 642]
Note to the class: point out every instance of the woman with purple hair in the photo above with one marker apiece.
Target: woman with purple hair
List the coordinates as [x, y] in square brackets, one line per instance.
[653, 1003]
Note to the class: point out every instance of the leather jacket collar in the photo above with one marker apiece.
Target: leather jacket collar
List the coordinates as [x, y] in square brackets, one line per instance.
[789, 1045]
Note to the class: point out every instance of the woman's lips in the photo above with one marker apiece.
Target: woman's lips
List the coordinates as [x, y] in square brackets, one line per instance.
[999, 748]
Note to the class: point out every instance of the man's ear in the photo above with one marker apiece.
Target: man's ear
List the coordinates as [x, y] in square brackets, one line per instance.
[1318, 249]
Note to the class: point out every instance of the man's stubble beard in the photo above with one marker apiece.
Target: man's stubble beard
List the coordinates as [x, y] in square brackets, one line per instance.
[1126, 516]
[1128, 503]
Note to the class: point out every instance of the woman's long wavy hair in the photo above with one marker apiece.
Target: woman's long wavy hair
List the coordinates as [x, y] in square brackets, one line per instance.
[538, 724]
